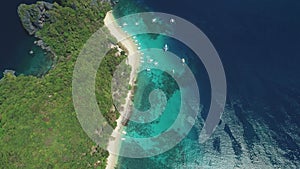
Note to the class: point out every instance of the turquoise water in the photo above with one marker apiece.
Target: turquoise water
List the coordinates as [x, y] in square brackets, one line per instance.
[38, 63]
[258, 43]
[187, 152]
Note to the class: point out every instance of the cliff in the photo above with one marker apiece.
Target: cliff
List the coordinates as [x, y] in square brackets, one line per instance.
[34, 16]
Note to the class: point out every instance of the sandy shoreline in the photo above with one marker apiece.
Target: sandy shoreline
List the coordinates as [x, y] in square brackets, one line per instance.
[133, 61]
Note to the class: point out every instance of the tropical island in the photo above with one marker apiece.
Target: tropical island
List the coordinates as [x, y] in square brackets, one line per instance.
[38, 125]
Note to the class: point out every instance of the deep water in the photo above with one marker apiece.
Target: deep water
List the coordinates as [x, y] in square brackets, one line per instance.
[16, 44]
[258, 42]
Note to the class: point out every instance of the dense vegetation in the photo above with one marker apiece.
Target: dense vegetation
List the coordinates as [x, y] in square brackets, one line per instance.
[38, 124]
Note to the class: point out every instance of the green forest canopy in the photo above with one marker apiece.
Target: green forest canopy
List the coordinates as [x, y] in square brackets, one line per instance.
[38, 124]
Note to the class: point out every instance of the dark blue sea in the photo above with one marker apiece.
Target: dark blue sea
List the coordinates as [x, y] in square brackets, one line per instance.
[16, 44]
[258, 43]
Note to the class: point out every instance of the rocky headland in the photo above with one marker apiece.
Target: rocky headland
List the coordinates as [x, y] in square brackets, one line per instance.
[34, 16]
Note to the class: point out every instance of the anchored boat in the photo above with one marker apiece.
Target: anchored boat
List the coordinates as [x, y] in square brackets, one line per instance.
[166, 48]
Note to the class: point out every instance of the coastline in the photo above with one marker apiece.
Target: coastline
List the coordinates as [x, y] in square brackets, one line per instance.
[133, 60]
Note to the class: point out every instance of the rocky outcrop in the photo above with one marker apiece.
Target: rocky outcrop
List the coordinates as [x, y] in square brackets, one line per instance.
[34, 16]
[11, 72]
[41, 44]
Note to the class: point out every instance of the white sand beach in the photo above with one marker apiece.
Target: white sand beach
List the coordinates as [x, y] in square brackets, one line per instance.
[133, 61]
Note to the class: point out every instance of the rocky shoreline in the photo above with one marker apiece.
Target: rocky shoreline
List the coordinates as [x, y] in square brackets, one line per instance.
[33, 17]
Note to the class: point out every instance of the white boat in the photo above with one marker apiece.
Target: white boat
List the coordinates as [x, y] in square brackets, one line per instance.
[183, 60]
[154, 20]
[172, 20]
[166, 48]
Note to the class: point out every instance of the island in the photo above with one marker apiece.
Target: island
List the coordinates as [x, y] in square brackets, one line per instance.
[38, 124]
